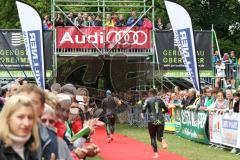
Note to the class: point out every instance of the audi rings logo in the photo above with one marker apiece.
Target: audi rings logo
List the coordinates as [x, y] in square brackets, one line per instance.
[124, 37]
[102, 38]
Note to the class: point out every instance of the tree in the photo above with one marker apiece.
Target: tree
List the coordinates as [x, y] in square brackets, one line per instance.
[204, 13]
[9, 16]
[221, 14]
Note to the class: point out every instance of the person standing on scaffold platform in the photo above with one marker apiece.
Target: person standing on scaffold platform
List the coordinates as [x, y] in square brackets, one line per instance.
[155, 108]
[109, 106]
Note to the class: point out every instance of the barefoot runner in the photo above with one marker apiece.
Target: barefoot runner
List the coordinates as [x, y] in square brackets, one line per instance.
[156, 108]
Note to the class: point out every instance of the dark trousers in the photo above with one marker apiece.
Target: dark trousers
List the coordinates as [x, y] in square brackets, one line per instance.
[110, 124]
[155, 132]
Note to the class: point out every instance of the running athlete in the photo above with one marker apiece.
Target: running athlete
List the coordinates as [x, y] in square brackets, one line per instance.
[156, 108]
[109, 106]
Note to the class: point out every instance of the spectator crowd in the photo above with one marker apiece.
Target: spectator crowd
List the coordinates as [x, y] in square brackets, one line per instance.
[67, 116]
[47, 124]
[112, 20]
[227, 69]
[212, 100]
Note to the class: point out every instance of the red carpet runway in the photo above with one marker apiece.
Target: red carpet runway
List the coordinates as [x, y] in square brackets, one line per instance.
[126, 148]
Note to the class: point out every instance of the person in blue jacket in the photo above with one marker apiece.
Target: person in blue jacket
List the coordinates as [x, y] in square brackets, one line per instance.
[133, 19]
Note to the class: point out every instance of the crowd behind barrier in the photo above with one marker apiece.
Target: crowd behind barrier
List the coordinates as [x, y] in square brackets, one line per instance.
[112, 20]
[226, 69]
[188, 112]
[211, 117]
[86, 20]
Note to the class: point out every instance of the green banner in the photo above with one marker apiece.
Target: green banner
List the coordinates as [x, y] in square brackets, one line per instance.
[192, 125]
[182, 73]
[19, 73]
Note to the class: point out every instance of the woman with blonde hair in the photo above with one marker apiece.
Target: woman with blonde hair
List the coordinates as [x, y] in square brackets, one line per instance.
[52, 100]
[19, 137]
[109, 21]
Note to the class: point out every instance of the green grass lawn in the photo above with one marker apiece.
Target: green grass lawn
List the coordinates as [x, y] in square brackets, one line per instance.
[188, 149]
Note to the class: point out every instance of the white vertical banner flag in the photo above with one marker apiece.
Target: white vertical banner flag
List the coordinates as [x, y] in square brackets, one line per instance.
[183, 32]
[32, 31]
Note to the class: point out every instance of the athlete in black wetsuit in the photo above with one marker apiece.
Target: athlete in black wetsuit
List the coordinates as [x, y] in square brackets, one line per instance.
[156, 108]
[109, 106]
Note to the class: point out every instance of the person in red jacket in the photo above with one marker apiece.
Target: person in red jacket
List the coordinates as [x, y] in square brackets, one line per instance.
[147, 23]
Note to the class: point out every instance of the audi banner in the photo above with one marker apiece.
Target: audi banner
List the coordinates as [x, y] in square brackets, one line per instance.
[87, 37]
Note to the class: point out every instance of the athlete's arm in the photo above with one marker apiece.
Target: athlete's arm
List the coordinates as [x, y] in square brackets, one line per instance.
[145, 105]
[117, 101]
[165, 109]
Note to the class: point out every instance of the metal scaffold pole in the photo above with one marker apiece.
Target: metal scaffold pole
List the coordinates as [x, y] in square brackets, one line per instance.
[153, 40]
[54, 72]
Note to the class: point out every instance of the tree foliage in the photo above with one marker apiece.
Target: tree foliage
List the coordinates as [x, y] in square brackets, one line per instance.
[204, 13]
[9, 16]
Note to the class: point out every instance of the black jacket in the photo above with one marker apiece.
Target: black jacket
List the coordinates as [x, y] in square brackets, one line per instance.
[50, 143]
[120, 23]
[108, 105]
[1, 104]
[236, 106]
[97, 23]
[9, 154]
[188, 101]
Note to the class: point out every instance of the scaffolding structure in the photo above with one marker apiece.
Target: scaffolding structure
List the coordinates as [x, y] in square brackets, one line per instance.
[103, 7]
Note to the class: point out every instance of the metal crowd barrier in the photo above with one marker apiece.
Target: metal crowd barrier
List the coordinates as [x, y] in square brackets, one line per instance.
[232, 71]
[238, 75]
[134, 118]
